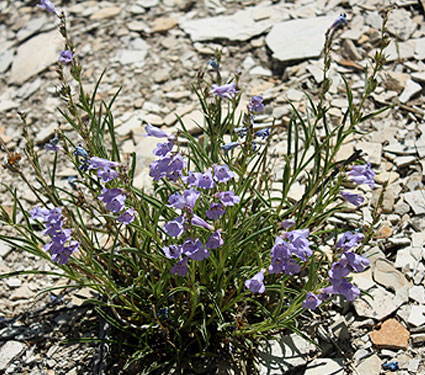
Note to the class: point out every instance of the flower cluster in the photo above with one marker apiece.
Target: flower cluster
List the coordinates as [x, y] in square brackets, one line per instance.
[48, 5]
[348, 262]
[227, 91]
[61, 246]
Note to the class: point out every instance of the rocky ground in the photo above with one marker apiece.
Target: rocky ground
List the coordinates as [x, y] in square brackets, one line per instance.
[152, 49]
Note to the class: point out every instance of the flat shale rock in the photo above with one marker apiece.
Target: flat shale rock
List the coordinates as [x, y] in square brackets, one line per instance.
[241, 26]
[326, 366]
[370, 366]
[298, 39]
[385, 274]
[391, 335]
[9, 351]
[416, 200]
[383, 304]
[35, 55]
[400, 23]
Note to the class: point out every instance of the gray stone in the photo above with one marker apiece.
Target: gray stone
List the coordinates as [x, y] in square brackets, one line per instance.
[417, 316]
[240, 26]
[7, 104]
[363, 280]
[35, 55]
[419, 48]
[13, 282]
[325, 366]
[416, 200]
[32, 27]
[404, 161]
[260, 71]
[412, 88]
[290, 351]
[417, 293]
[370, 366]
[9, 351]
[413, 365]
[382, 305]
[405, 260]
[419, 76]
[6, 58]
[385, 274]
[401, 149]
[373, 151]
[401, 24]
[298, 39]
[147, 3]
[4, 249]
[360, 354]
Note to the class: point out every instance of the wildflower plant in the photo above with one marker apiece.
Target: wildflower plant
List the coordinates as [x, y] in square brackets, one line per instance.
[209, 261]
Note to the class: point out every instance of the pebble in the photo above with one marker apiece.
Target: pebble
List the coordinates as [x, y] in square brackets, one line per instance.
[417, 316]
[404, 161]
[104, 13]
[9, 351]
[373, 151]
[416, 200]
[386, 275]
[400, 24]
[163, 24]
[325, 366]
[391, 335]
[13, 282]
[417, 293]
[412, 88]
[370, 366]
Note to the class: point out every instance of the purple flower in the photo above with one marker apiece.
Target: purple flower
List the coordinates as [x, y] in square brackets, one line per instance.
[225, 91]
[355, 261]
[195, 250]
[288, 223]
[177, 201]
[170, 167]
[355, 199]
[62, 256]
[113, 198]
[216, 210]
[190, 179]
[362, 174]
[48, 5]
[263, 133]
[180, 268]
[127, 216]
[281, 249]
[223, 173]
[215, 241]
[53, 144]
[228, 198]
[191, 196]
[152, 131]
[256, 104]
[163, 149]
[338, 270]
[205, 181]
[230, 146]
[96, 163]
[39, 213]
[196, 220]
[107, 174]
[340, 21]
[311, 301]
[172, 251]
[344, 287]
[300, 245]
[175, 228]
[255, 284]
[291, 267]
[349, 240]
[66, 57]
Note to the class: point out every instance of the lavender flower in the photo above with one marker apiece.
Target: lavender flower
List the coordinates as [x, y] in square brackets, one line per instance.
[256, 104]
[127, 216]
[66, 57]
[96, 163]
[180, 268]
[188, 200]
[225, 91]
[195, 250]
[170, 167]
[48, 5]
[172, 251]
[255, 284]
[300, 245]
[38, 213]
[152, 131]
[362, 174]
[355, 262]
[355, 199]
[222, 173]
[175, 228]
[163, 149]
[196, 220]
[216, 210]
[177, 201]
[215, 241]
[53, 144]
[311, 301]
[338, 270]
[349, 240]
[113, 198]
[205, 181]
[288, 223]
[230, 146]
[228, 198]
[344, 287]
[190, 179]
[107, 174]
[340, 21]
[263, 133]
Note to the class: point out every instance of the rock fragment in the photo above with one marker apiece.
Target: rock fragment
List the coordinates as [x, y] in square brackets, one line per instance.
[370, 366]
[9, 351]
[104, 13]
[325, 366]
[416, 200]
[417, 316]
[386, 275]
[391, 335]
[412, 88]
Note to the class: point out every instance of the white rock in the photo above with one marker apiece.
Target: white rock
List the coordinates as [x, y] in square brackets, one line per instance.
[411, 89]
[363, 280]
[240, 26]
[404, 161]
[401, 149]
[290, 351]
[401, 24]
[385, 274]
[9, 351]
[260, 71]
[417, 316]
[148, 3]
[370, 366]
[32, 27]
[413, 365]
[6, 58]
[405, 260]
[6, 104]
[383, 304]
[417, 293]
[416, 200]
[13, 282]
[298, 39]
[373, 151]
[325, 366]
[35, 55]
[4, 249]
[419, 76]
[401, 50]
[133, 57]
